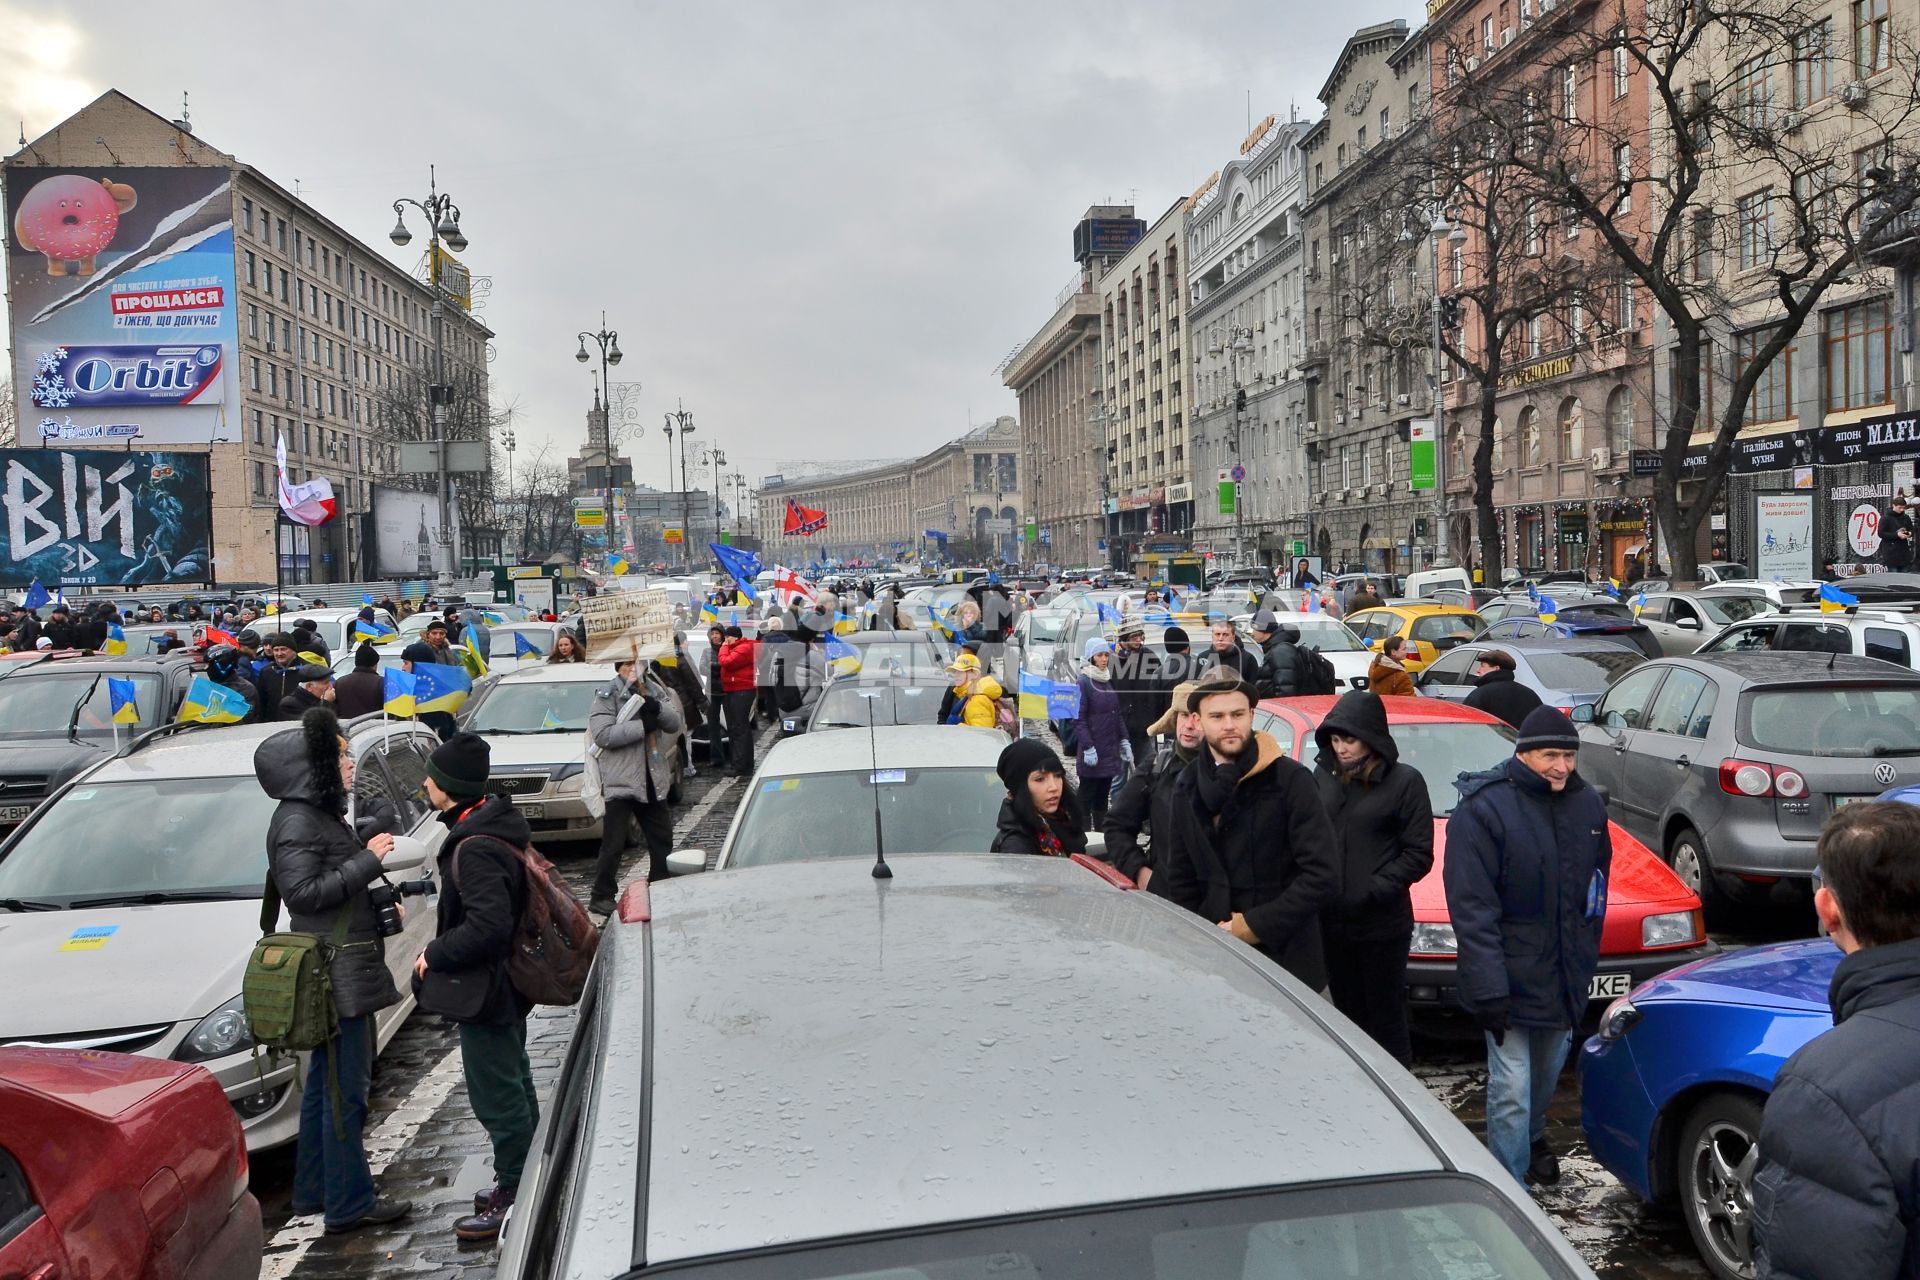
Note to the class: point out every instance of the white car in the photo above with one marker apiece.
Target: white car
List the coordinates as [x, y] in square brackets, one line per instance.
[535, 722]
[1333, 638]
[335, 625]
[140, 945]
[503, 654]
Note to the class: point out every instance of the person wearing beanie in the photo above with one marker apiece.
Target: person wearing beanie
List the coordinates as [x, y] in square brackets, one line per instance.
[1098, 735]
[1176, 666]
[1041, 814]
[1136, 679]
[280, 678]
[1144, 803]
[365, 690]
[480, 903]
[634, 728]
[320, 869]
[1528, 854]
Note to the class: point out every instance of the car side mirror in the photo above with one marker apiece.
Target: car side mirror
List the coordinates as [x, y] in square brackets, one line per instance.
[686, 862]
[1582, 713]
[1449, 642]
[1687, 624]
[1097, 844]
[408, 853]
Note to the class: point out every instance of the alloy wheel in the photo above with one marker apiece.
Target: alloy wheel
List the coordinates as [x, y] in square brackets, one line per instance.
[1719, 1196]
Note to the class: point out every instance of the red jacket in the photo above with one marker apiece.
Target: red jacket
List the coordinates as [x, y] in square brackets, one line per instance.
[738, 661]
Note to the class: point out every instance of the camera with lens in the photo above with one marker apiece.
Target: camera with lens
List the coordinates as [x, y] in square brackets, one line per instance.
[386, 897]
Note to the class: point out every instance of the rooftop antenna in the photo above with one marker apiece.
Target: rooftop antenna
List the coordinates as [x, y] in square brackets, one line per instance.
[881, 871]
[23, 133]
[185, 123]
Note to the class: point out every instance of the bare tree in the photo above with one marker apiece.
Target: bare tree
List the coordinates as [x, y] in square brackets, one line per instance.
[403, 412]
[9, 425]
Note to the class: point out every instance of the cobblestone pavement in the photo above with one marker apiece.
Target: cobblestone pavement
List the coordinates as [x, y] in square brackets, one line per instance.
[425, 1144]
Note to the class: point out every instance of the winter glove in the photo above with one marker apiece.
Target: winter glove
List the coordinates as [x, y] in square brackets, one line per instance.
[1494, 1019]
[650, 713]
[1090, 757]
[1126, 752]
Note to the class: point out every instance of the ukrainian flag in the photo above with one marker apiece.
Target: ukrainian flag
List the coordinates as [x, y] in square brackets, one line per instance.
[1639, 603]
[210, 703]
[471, 658]
[1033, 696]
[439, 688]
[1834, 600]
[844, 625]
[549, 723]
[398, 692]
[620, 565]
[116, 641]
[1548, 607]
[373, 629]
[842, 658]
[525, 648]
[708, 617]
[120, 696]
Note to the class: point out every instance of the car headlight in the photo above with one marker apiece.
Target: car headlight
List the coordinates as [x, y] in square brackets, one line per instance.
[220, 1033]
[569, 785]
[1619, 1018]
[1434, 940]
[1670, 929]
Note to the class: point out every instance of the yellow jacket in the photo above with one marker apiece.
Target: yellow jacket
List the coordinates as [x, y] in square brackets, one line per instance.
[981, 709]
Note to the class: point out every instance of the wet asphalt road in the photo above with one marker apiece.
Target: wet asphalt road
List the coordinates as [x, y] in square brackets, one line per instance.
[425, 1145]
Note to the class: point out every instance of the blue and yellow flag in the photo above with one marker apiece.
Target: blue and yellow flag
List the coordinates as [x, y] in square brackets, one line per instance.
[1639, 603]
[550, 722]
[1834, 600]
[843, 659]
[397, 693]
[1548, 608]
[373, 629]
[1043, 699]
[525, 648]
[116, 641]
[120, 697]
[619, 564]
[1106, 613]
[843, 625]
[439, 688]
[471, 658]
[210, 703]
[708, 617]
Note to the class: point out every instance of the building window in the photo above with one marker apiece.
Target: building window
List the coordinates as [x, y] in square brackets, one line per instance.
[1576, 319]
[1622, 63]
[1569, 94]
[1486, 37]
[259, 427]
[1754, 218]
[1623, 176]
[1772, 397]
[1629, 318]
[253, 372]
[1858, 356]
[1812, 49]
[260, 480]
[1753, 93]
[1533, 227]
[1701, 257]
[246, 215]
[250, 270]
[1620, 421]
[1871, 37]
[253, 321]
[1572, 429]
[1536, 336]
[1530, 437]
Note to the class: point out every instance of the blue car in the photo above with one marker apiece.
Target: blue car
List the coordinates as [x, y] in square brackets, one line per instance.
[1673, 1084]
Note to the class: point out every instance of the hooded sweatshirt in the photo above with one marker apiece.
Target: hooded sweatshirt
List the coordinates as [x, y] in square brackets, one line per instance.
[483, 890]
[1383, 818]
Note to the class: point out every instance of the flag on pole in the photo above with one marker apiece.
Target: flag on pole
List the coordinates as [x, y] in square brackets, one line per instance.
[373, 629]
[120, 699]
[1639, 602]
[309, 502]
[366, 597]
[37, 597]
[214, 635]
[397, 691]
[742, 566]
[804, 522]
[1044, 699]
[842, 658]
[1834, 600]
[439, 688]
[790, 584]
[116, 641]
[471, 658]
[708, 617]
[619, 564]
[210, 703]
[525, 648]
[1548, 607]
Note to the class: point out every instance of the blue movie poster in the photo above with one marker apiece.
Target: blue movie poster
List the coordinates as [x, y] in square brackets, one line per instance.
[103, 517]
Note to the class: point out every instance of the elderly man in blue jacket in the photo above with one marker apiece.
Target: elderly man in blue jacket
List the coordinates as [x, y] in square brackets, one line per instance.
[1526, 875]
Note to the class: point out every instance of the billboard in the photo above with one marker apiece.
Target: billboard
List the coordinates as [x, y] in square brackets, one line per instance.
[122, 283]
[104, 517]
[405, 523]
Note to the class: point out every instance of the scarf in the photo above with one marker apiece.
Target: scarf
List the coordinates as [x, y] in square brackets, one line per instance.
[1214, 782]
[1096, 674]
[1386, 661]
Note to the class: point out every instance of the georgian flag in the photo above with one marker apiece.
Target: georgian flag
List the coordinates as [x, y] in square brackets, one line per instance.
[790, 585]
[310, 503]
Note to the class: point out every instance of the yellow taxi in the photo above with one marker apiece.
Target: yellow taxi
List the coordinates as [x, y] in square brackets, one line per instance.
[1431, 629]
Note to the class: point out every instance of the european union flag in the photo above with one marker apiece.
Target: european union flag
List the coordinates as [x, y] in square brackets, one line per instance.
[116, 641]
[1106, 613]
[210, 703]
[397, 693]
[36, 597]
[742, 566]
[842, 657]
[120, 698]
[439, 688]
[525, 648]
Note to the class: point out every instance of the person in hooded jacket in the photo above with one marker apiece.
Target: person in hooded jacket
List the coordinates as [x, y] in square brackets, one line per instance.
[1279, 655]
[1136, 680]
[639, 759]
[1387, 675]
[1101, 749]
[1041, 814]
[1252, 849]
[483, 891]
[1383, 818]
[320, 869]
[1145, 803]
[365, 690]
[1497, 692]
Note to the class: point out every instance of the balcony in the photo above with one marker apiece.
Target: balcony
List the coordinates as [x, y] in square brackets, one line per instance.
[1896, 243]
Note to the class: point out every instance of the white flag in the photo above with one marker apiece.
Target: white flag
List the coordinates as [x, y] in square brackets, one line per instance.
[309, 503]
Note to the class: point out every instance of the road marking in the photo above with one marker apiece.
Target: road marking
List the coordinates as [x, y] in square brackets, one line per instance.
[386, 1140]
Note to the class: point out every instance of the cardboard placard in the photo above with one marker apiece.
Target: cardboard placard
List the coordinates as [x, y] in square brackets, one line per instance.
[617, 620]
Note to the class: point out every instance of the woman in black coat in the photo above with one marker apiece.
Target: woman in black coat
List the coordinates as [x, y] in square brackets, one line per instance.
[321, 870]
[1041, 814]
[1383, 819]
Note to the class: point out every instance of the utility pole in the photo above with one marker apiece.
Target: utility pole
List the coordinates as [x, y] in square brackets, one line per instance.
[681, 421]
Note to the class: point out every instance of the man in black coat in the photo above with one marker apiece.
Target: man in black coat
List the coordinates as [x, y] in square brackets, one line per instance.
[1384, 818]
[483, 891]
[280, 677]
[1497, 692]
[1896, 536]
[1252, 848]
[1279, 655]
[1224, 652]
[1145, 804]
[1136, 679]
[1528, 854]
[59, 628]
[1836, 1190]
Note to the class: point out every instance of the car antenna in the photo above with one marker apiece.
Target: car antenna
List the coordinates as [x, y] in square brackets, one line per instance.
[881, 871]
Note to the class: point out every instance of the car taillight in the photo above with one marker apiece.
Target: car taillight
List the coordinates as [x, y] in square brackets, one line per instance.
[1753, 778]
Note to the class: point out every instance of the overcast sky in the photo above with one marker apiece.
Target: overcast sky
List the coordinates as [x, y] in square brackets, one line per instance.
[820, 223]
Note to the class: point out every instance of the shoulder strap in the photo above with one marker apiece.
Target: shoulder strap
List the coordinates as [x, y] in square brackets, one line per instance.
[269, 906]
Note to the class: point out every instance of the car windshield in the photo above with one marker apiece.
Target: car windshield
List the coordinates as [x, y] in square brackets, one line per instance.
[896, 657]
[829, 815]
[36, 705]
[1585, 671]
[1047, 628]
[173, 836]
[534, 706]
[1326, 635]
[846, 706]
[1432, 1226]
[1588, 610]
[1725, 609]
[1442, 752]
[1732, 572]
[1834, 721]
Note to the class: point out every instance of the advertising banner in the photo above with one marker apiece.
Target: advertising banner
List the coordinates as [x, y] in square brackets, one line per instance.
[122, 283]
[1783, 541]
[404, 526]
[103, 517]
[1420, 450]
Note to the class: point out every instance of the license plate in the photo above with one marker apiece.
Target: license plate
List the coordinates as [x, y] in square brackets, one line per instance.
[1608, 986]
[1841, 802]
[15, 812]
[532, 810]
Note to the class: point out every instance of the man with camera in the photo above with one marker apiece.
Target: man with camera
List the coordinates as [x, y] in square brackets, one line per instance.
[321, 869]
[462, 974]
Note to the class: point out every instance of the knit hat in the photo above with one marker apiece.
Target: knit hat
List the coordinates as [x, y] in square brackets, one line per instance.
[417, 652]
[1131, 627]
[460, 766]
[1171, 716]
[1547, 729]
[1264, 622]
[1024, 756]
[1095, 645]
[1173, 636]
[365, 658]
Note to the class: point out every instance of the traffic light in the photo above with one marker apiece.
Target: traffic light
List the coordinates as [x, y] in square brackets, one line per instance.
[1240, 400]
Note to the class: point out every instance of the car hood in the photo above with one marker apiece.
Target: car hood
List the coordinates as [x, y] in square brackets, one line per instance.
[1782, 975]
[1348, 663]
[49, 756]
[535, 750]
[159, 964]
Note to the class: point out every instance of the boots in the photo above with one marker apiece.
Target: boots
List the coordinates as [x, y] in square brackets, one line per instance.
[1544, 1166]
[482, 1200]
[486, 1224]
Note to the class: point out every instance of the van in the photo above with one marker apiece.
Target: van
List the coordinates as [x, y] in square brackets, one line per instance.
[1423, 585]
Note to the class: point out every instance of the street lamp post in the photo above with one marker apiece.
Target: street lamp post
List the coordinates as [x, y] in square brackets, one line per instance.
[1454, 235]
[717, 458]
[608, 340]
[681, 421]
[508, 441]
[1239, 340]
[443, 223]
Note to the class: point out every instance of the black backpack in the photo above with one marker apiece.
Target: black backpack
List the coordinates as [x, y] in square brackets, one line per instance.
[1313, 672]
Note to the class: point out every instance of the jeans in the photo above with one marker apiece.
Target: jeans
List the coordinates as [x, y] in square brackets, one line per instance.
[1368, 979]
[500, 1091]
[330, 1171]
[739, 711]
[1521, 1075]
[656, 824]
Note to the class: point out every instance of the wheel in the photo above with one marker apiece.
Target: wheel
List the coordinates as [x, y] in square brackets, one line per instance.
[1718, 892]
[1716, 1157]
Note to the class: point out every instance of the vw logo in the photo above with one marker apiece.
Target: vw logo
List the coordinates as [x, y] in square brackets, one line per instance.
[1883, 774]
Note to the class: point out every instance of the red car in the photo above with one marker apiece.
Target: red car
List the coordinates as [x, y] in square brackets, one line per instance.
[113, 1165]
[1653, 921]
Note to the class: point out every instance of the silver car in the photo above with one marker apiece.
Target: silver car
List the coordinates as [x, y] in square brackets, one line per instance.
[985, 1066]
[130, 902]
[535, 723]
[1683, 620]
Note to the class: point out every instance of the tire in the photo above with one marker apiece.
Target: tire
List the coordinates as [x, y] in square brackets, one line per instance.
[1719, 893]
[1714, 1172]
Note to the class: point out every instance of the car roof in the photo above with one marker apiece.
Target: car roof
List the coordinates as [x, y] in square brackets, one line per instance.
[1411, 609]
[1400, 709]
[1801, 667]
[953, 1045]
[886, 637]
[1553, 644]
[222, 750]
[559, 673]
[917, 746]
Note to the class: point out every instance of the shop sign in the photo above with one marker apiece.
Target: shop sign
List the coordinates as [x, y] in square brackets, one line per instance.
[1863, 530]
[1539, 371]
[1894, 437]
[1644, 462]
[1855, 492]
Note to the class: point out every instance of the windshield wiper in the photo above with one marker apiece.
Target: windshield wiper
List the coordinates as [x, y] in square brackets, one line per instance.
[155, 898]
[517, 733]
[24, 904]
[73, 721]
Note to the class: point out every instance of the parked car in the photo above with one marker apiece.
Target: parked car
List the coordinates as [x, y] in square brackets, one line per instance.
[898, 655]
[1890, 634]
[139, 946]
[1774, 592]
[112, 1165]
[1564, 673]
[1334, 640]
[934, 1069]
[1518, 604]
[535, 722]
[1433, 629]
[503, 654]
[860, 703]
[1653, 921]
[1610, 622]
[1683, 620]
[1729, 763]
[335, 626]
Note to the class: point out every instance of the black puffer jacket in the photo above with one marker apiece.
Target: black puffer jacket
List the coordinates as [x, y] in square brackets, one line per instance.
[276, 684]
[1384, 819]
[317, 864]
[1837, 1188]
[1498, 694]
[1246, 663]
[481, 900]
[1136, 678]
[1144, 806]
[1279, 667]
[1020, 824]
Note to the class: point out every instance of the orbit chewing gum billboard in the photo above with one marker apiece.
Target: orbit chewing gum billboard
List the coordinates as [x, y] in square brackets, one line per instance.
[122, 284]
